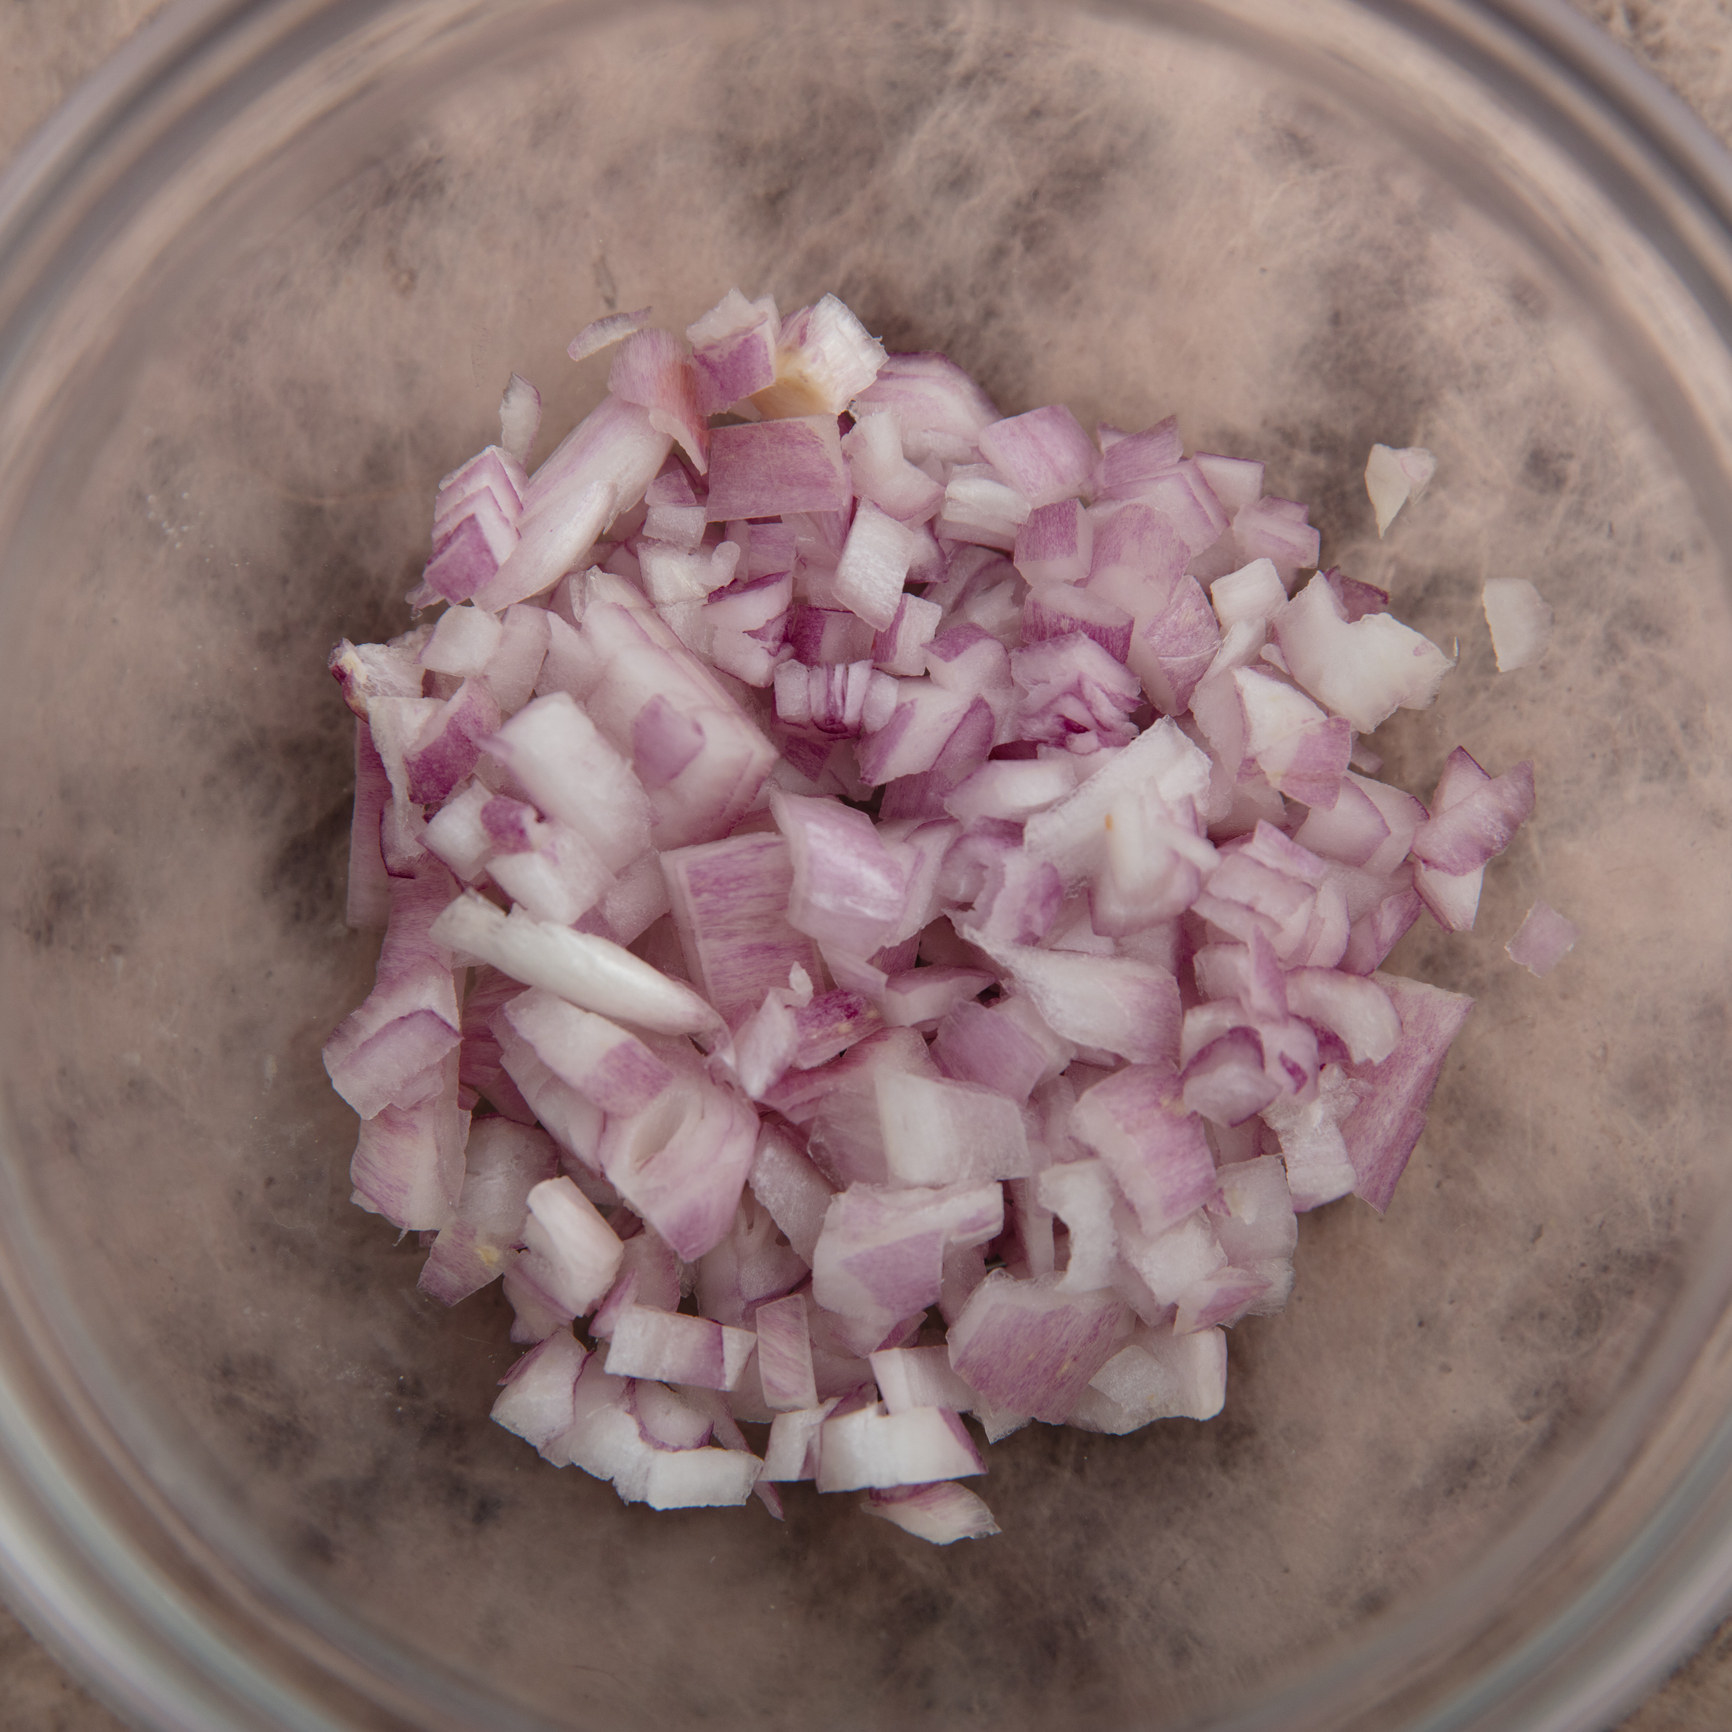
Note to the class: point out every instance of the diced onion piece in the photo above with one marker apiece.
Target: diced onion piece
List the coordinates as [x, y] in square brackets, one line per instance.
[879, 1257]
[600, 468]
[945, 1133]
[939, 409]
[539, 1394]
[1235, 481]
[874, 566]
[1055, 544]
[1312, 1147]
[734, 349]
[910, 1377]
[653, 370]
[408, 1161]
[926, 995]
[940, 1514]
[1083, 1195]
[791, 1188]
[824, 358]
[1153, 1146]
[1381, 1131]
[573, 774]
[730, 902]
[368, 905]
[1045, 455]
[1253, 592]
[1253, 1213]
[1030, 1347]
[674, 1348]
[1393, 477]
[572, 1254]
[1543, 939]
[1520, 622]
[1114, 1002]
[785, 1354]
[1157, 1375]
[589, 1053]
[604, 332]
[793, 1448]
[1364, 670]
[701, 1479]
[847, 889]
[503, 1163]
[667, 1419]
[682, 1162]
[1356, 1009]
[873, 1448]
[519, 417]
[592, 973]
[462, 642]
[770, 468]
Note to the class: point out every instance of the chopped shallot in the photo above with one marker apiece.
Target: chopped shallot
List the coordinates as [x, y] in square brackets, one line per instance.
[1520, 622]
[1393, 477]
[1543, 940]
[884, 912]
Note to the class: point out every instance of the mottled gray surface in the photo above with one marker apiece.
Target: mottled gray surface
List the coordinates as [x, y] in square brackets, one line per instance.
[173, 949]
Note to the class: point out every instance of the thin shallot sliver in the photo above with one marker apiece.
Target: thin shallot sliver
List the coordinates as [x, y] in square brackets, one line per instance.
[940, 1514]
[954, 1049]
[592, 973]
[602, 333]
[1543, 939]
[1520, 620]
[1393, 477]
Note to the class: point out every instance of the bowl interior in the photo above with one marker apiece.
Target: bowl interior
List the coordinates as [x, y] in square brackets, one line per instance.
[1137, 213]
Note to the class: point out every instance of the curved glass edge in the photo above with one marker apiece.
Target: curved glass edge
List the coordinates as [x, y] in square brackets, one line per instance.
[68, 135]
[68, 202]
[90, 1597]
[1631, 1627]
[1673, 133]
[94, 1563]
[61, 1569]
[161, 1627]
[42, 179]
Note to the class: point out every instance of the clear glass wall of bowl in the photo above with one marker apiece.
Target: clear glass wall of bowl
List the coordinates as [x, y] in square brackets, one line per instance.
[262, 289]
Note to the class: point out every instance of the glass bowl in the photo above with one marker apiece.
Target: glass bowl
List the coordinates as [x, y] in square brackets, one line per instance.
[261, 284]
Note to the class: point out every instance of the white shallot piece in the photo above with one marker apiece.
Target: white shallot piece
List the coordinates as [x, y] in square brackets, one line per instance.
[1393, 477]
[1542, 940]
[884, 920]
[1520, 620]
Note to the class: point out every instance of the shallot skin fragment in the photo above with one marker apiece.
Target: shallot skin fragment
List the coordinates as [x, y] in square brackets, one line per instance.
[883, 912]
[1543, 940]
[1520, 622]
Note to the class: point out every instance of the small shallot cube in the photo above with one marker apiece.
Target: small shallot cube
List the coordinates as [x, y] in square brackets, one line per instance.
[1543, 940]
[941, 1514]
[539, 1393]
[874, 1448]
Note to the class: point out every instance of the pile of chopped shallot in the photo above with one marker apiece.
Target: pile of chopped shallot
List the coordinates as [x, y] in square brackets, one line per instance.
[884, 905]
